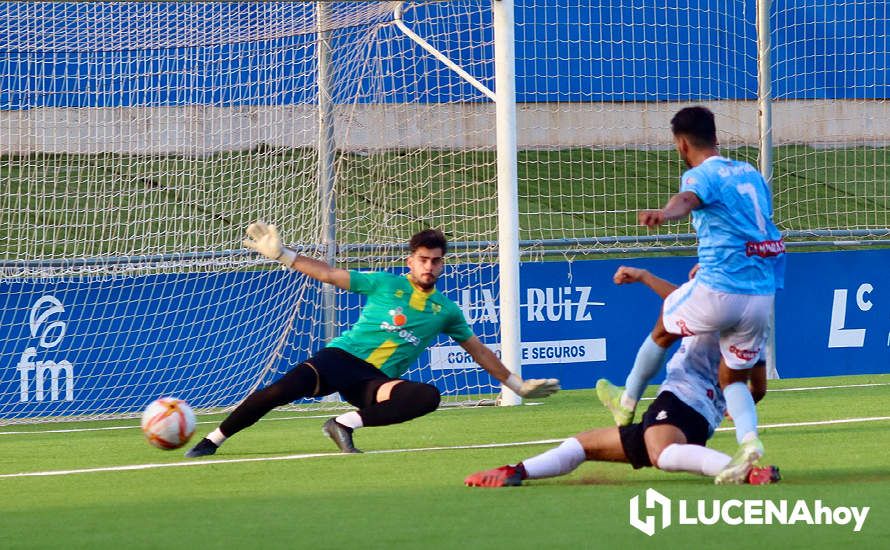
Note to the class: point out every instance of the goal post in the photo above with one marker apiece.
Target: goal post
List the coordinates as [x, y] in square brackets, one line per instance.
[765, 154]
[508, 198]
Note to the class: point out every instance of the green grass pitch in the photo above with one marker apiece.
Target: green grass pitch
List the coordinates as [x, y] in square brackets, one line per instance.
[262, 491]
[406, 492]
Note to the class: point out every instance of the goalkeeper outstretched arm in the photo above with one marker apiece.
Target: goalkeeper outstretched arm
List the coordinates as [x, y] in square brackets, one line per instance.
[537, 387]
[264, 239]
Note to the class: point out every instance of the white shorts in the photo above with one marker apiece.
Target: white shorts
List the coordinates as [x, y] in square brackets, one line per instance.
[741, 320]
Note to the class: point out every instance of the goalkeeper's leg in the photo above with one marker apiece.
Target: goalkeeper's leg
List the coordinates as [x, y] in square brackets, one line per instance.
[301, 381]
[380, 403]
[400, 401]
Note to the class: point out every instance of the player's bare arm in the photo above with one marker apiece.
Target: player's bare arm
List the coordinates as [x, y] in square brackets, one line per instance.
[679, 206]
[264, 238]
[321, 271]
[627, 275]
[539, 387]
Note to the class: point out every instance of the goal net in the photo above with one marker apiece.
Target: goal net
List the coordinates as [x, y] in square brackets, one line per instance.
[140, 139]
[598, 82]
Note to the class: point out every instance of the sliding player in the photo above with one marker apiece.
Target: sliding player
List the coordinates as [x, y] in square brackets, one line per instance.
[401, 317]
[742, 258]
[674, 430]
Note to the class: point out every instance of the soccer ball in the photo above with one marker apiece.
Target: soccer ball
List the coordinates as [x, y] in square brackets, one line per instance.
[168, 423]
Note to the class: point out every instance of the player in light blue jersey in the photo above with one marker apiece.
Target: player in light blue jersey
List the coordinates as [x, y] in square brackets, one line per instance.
[741, 258]
[674, 430]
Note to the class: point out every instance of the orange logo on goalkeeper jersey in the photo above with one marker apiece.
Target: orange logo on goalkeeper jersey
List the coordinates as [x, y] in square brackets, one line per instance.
[398, 318]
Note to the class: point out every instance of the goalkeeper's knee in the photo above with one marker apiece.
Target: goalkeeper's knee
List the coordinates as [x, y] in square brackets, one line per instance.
[406, 401]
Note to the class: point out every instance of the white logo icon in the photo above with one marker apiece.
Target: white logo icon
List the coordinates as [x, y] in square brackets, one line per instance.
[662, 415]
[838, 335]
[49, 334]
[54, 331]
[653, 497]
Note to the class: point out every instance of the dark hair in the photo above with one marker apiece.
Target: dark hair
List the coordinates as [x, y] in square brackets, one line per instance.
[428, 238]
[696, 124]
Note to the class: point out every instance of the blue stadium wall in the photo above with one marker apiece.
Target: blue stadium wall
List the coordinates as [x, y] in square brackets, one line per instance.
[610, 50]
[833, 318]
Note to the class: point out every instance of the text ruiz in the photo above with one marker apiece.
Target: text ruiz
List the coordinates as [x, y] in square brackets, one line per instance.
[560, 304]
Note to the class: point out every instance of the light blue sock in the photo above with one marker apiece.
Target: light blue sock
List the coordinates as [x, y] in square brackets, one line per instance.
[646, 365]
[741, 407]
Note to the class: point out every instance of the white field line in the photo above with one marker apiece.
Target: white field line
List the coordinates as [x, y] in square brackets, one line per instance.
[831, 387]
[325, 416]
[137, 426]
[266, 459]
[385, 451]
[214, 422]
[808, 388]
[812, 423]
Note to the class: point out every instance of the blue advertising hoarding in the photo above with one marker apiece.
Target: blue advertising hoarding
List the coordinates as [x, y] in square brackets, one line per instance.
[114, 344]
[833, 318]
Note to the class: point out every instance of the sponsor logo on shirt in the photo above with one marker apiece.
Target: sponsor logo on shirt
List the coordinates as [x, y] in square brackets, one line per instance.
[398, 318]
[395, 327]
[684, 330]
[765, 249]
[744, 354]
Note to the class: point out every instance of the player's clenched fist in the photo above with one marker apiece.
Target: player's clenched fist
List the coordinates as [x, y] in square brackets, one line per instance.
[626, 275]
[650, 218]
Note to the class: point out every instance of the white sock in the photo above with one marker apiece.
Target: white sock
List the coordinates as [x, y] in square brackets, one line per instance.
[217, 437]
[556, 462]
[352, 419]
[628, 401]
[646, 365]
[694, 459]
[741, 407]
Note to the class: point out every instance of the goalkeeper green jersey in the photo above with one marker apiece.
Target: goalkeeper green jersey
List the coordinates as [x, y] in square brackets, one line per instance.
[398, 321]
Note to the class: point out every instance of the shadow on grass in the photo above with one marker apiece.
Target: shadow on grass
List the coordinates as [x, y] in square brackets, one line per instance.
[835, 476]
[789, 477]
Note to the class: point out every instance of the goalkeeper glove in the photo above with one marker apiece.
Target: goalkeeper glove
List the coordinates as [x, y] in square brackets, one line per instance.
[264, 239]
[535, 387]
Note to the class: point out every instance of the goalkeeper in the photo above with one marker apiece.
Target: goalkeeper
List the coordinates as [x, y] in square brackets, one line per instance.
[673, 431]
[401, 317]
